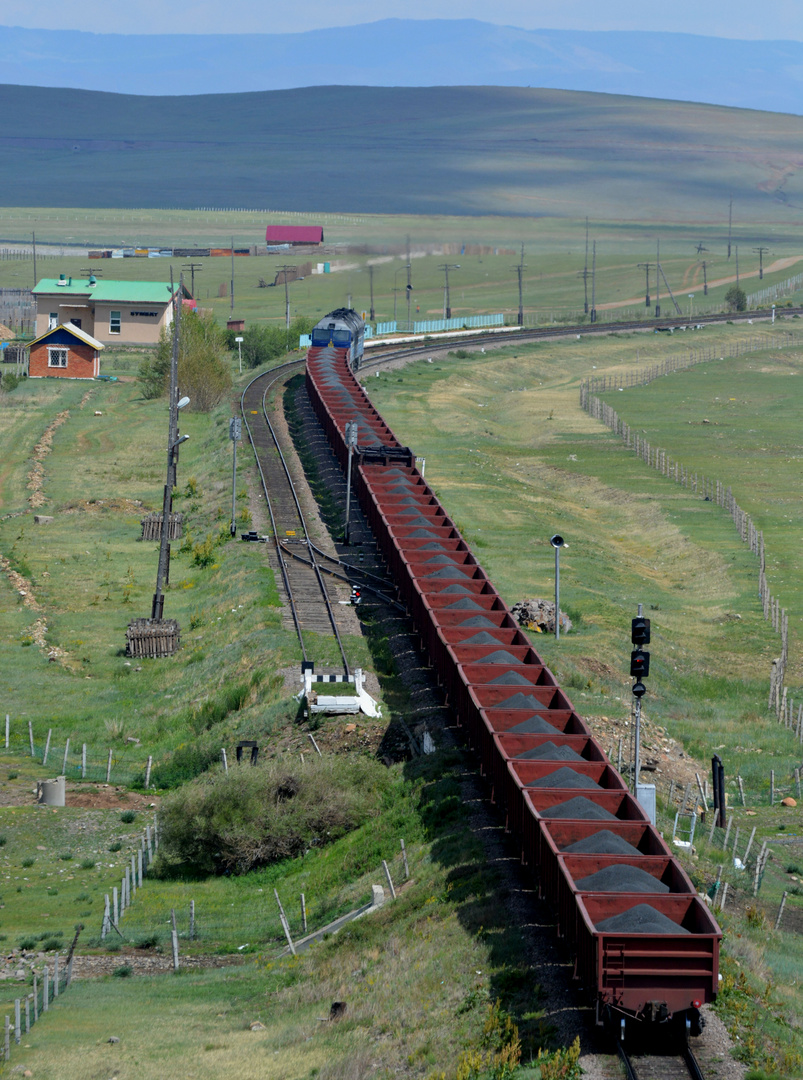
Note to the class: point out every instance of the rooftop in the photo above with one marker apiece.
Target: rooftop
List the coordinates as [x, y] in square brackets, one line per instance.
[134, 292]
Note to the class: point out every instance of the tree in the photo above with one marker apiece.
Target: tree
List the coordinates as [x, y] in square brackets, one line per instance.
[203, 371]
[736, 299]
[262, 344]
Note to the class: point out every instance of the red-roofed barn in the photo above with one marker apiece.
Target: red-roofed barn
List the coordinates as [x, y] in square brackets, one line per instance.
[294, 234]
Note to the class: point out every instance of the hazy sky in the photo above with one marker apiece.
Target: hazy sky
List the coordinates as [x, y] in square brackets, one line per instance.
[716, 18]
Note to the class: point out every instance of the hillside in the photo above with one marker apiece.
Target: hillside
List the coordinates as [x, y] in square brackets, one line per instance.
[413, 52]
[464, 150]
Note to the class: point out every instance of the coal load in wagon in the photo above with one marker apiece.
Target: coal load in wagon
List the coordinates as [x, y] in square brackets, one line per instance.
[483, 638]
[401, 489]
[621, 878]
[578, 809]
[419, 519]
[564, 778]
[501, 656]
[477, 621]
[603, 842]
[466, 604]
[641, 919]
[510, 678]
[449, 572]
[457, 588]
[441, 559]
[409, 501]
[432, 546]
[422, 534]
[549, 751]
[533, 725]
[521, 701]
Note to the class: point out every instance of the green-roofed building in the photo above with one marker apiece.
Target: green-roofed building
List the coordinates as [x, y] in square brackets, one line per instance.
[113, 312]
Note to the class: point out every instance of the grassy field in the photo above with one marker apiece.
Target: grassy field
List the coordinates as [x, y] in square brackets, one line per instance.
[483, 284]
[473, 150]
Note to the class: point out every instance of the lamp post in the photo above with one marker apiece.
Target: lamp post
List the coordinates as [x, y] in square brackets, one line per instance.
[557, 543]
[239, 341]
[447, 307]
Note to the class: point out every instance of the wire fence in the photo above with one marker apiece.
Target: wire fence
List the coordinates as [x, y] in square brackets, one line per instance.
[78, 760]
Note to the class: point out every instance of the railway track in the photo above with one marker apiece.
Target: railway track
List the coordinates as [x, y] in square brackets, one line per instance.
[304, 567]
[311, 601]
[678, 1063]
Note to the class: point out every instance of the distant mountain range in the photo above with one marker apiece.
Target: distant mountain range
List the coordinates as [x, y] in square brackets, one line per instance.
[406, 52]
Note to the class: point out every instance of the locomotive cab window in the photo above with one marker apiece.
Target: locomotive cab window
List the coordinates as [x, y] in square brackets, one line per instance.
[341, 338]
[320, 337]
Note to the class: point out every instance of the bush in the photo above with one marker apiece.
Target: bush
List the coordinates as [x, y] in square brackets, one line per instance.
[251, 817]
[128, 816]
[123, 972]
[87, 864]
[202, 370]
[10, 381]
[736, 299]
[262, 344]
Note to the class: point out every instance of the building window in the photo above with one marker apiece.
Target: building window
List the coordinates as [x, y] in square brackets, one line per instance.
[57, 358]
[114, 322]
[53, 320]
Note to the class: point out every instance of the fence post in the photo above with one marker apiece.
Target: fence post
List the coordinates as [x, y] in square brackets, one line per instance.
[304, 913]
[109, 767]
[35, 997]
[225, 762]
[404, 858]
[83, 762]
[777, 921]
[7, 1046]
[390, 879]
[148, 772]
[741, 789]
[66, 752]
[174, 938]
[285, 924]
[139, 868]
[30, 736]
[28, 1014]
[192, 920]
[8, 729]
[47, 746]
[46, 990]
[18, 1019]
[55, 976]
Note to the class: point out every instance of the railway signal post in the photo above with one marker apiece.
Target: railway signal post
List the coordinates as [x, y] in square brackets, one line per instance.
[235, 434]
[557, 543]
[351, 442]
[640, 669]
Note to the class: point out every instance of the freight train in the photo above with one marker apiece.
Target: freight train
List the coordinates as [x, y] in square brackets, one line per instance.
[643, 943]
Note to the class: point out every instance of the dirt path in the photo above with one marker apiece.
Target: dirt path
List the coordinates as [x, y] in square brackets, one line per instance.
[773, 268]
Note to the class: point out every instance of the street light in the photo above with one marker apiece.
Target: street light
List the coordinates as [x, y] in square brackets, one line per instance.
[239, 341]
[181, 439]
[182, 403]
[447, 307]
[557, 543]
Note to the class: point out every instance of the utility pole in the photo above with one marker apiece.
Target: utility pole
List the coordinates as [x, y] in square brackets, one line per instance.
[193, 269]
[519, 270]
[585, 275]
[447, 307]
[730, 225]
[371, 314]
[34, 258]
[646, 267]
[761, 251]
[594, 282]
[232, 275]
[737, 266]
[705, 280]
[658, 279]
[235, 433]
[285, 269]
[173, 442]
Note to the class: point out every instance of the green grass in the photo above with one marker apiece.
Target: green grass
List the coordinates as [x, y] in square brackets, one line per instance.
[418, 976]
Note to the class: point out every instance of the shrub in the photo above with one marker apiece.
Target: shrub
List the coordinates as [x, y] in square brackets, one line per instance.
[128, 816]
[87, 864]
[13, 774]
[28, 944]
[736, 298]
[27, 863]
[3, 839]
[250, 817]
[65, 856]
[123, 972]
[202, 371]
[261, 344]
[115, 846]
[10, 381]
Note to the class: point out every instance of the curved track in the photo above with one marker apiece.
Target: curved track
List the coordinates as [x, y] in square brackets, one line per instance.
[310, 603]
